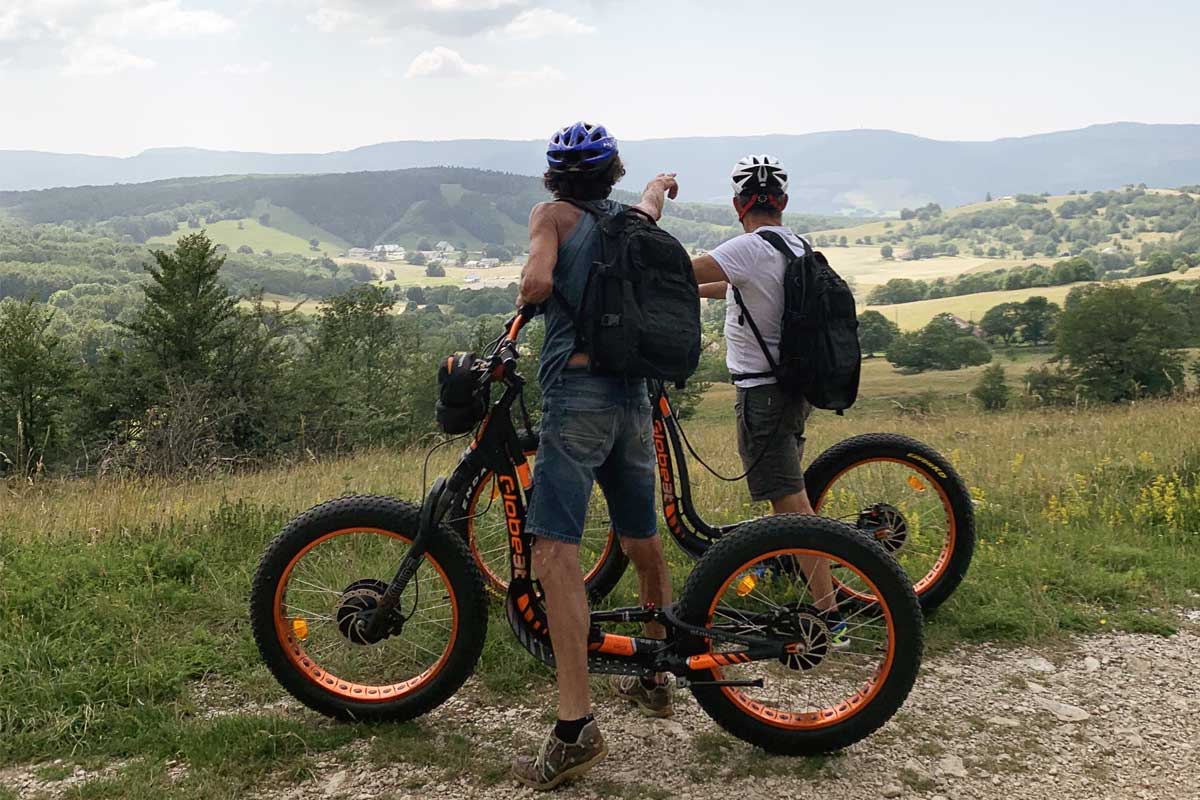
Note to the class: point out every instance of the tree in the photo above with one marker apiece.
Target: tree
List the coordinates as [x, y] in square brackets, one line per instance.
[1002, 321]
[941, 344]
[264, 219]
[314, 244]
[843, 242]
[497, 251]
[435, 271]
[1121, 342]
[416, 294]
[988, 198]
[1036, 318]
[992, 389]
[875, 332]
[424, 244]
[417, 259]
[35, 376]
[246, 250]
[189, 314]
[886, 251]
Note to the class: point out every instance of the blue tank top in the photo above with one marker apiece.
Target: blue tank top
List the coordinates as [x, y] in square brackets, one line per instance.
[575, 258]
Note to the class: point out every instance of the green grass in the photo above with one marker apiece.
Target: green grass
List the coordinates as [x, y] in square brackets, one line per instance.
[121, 601]
[911, 316]
[257, 237]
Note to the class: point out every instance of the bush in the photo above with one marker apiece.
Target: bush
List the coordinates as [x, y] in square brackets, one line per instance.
[1051, 387]
[992, 389]
[434, 270]
[941, 344]
[1122, 342]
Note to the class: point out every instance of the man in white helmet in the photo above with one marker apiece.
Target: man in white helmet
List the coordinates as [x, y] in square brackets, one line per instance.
[770, 422]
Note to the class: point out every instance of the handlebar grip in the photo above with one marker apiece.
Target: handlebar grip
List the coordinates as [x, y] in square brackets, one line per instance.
[524, 314]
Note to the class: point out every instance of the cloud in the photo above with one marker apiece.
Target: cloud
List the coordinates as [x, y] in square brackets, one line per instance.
[91, 33]
[442, 62]
[87, 59]
[162, 19]
[536, 23]
[454, 17]
[261, 68]
[31, 20]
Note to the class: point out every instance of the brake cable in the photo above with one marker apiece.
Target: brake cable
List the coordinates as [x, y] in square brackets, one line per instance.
[687, 442]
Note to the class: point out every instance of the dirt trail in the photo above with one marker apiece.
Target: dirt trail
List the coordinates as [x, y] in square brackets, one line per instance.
[1113, 716]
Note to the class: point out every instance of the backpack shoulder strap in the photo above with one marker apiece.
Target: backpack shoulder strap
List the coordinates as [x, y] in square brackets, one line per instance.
[776, 241]
[762, 343]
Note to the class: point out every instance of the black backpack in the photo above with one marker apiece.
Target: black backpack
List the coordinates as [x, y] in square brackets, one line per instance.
[640, 314]
[819, 353]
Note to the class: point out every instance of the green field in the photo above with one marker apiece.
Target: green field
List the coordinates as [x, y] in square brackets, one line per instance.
[864, 264]
[910, 316]
[124, 602]
[257, 237]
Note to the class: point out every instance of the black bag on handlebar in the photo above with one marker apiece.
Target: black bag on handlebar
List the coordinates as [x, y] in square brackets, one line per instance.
[461, 403]
[640, 315]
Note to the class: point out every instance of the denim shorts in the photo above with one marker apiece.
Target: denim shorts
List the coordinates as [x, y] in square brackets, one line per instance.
[594, 429]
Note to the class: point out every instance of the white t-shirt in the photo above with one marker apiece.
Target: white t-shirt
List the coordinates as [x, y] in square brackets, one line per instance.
[756, 268]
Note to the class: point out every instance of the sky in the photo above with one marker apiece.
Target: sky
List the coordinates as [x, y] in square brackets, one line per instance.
[115, 77]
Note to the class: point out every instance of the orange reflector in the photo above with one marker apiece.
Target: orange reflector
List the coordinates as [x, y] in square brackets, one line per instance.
[916, 483]
[300, 628]
[746, 585]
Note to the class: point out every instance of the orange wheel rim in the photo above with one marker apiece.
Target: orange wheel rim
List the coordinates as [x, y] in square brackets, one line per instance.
[350, 690]
[831, 715]
[500, 582]
[940, 564]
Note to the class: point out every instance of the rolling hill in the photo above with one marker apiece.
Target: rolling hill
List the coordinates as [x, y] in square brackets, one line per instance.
[859, 171]
[467, 207]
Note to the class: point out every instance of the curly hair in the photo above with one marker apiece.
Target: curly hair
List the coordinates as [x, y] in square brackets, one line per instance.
[584, 185]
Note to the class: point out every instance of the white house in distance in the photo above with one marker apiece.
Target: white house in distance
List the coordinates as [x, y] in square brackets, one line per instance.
[389, 252]
[445, 247]
[358, 252]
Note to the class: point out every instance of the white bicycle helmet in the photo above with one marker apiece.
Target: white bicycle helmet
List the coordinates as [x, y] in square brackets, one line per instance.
[759, 174]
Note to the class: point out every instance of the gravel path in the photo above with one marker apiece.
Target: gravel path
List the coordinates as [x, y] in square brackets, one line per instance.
[1112, 716]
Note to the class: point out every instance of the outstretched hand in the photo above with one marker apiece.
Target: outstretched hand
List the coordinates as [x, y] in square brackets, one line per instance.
[669, 184]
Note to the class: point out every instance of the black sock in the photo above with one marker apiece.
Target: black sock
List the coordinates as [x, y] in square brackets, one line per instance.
[568, 730]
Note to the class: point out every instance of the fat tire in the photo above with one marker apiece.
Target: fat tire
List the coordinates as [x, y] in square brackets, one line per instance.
[386, 514]
[598, 586]
[857, 449]
[837, 539]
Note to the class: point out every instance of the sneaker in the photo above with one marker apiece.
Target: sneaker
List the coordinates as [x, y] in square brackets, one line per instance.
[839, 631]
[656, 702]
[561, 761]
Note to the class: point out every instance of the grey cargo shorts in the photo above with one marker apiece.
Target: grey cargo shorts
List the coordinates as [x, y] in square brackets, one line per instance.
[770, 435]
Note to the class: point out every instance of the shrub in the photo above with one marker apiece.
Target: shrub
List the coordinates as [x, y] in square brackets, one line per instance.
[992, 389]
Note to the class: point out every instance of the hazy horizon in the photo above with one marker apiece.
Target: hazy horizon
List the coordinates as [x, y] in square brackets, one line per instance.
[624, 139]
[118, 77]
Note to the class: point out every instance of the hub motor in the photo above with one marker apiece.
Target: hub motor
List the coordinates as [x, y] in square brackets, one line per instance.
[809, 633]
[885, 524]
[354, 610]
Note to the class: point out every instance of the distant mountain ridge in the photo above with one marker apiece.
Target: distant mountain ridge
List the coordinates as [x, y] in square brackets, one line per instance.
[858, 171]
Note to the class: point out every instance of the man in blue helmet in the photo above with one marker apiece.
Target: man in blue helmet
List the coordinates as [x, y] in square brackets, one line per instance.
[595, 428]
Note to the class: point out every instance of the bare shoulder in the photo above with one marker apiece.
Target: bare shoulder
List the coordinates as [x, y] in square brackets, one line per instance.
[563, 217]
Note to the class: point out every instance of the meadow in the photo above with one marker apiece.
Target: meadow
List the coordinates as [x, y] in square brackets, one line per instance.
[911, 316]
[258, 237]
[124, 602]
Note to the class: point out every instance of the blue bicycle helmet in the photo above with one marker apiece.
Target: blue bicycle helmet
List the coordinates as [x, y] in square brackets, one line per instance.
[581, 147]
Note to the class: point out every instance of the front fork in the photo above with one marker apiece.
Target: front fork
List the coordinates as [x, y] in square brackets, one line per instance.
[433, 511]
